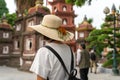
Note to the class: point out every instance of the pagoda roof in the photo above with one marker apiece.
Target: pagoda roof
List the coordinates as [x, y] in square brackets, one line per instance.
[40, 9]
[5, 26]
[85, 26]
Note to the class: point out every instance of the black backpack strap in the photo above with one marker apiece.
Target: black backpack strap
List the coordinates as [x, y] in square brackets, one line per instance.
[72, 60]
[59, 58]
[73, 71]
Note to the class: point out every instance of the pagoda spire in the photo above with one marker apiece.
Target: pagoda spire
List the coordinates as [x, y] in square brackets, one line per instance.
[85, 18]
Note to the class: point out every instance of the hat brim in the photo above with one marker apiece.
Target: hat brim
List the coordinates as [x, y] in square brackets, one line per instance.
[51, 33]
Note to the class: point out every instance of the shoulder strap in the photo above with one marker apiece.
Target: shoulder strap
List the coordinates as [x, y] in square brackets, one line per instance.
[59, 58]
[72, 60]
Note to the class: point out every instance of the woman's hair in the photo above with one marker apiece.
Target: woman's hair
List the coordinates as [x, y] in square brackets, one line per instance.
[48, 39]
[83, 45]
[51, 40]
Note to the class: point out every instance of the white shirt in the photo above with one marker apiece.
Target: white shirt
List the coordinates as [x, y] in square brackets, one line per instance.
[78, 56]
[46, 63]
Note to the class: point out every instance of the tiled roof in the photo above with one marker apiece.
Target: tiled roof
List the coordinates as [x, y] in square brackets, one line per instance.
[85, 26]
[5, 26]
[39, 9]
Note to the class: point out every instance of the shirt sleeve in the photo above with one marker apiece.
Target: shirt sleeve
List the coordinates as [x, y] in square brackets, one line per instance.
[78, 56]
[41, 64]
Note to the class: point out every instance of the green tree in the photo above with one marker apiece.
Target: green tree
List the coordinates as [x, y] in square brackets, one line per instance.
[11, 18]
[95, 40]
[108, 31]
[90, 20]
[104, 38]
[78, 2]
[3, 8]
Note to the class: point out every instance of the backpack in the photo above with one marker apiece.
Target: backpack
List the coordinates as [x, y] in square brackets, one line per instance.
[73, 71]
[92, 56]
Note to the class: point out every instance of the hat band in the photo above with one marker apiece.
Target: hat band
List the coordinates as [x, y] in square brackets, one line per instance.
[47, 26]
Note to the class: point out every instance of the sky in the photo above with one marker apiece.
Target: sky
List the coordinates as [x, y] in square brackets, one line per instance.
[94, 11]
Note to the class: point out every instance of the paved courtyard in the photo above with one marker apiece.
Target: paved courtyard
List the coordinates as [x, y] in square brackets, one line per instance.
[8, 73]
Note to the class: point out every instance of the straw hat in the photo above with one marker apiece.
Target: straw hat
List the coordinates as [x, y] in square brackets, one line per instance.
[51, 28]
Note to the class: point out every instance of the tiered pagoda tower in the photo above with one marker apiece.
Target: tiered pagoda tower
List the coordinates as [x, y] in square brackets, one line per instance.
[31, 41]
[64, 11]
[5, 42]
[84, 29]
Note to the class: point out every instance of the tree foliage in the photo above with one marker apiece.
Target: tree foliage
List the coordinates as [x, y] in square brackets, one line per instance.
[90, 20]
[95, 40]
[3, 8]
[104, 37]
[78, 2]
[11, 18]
[109, 62]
